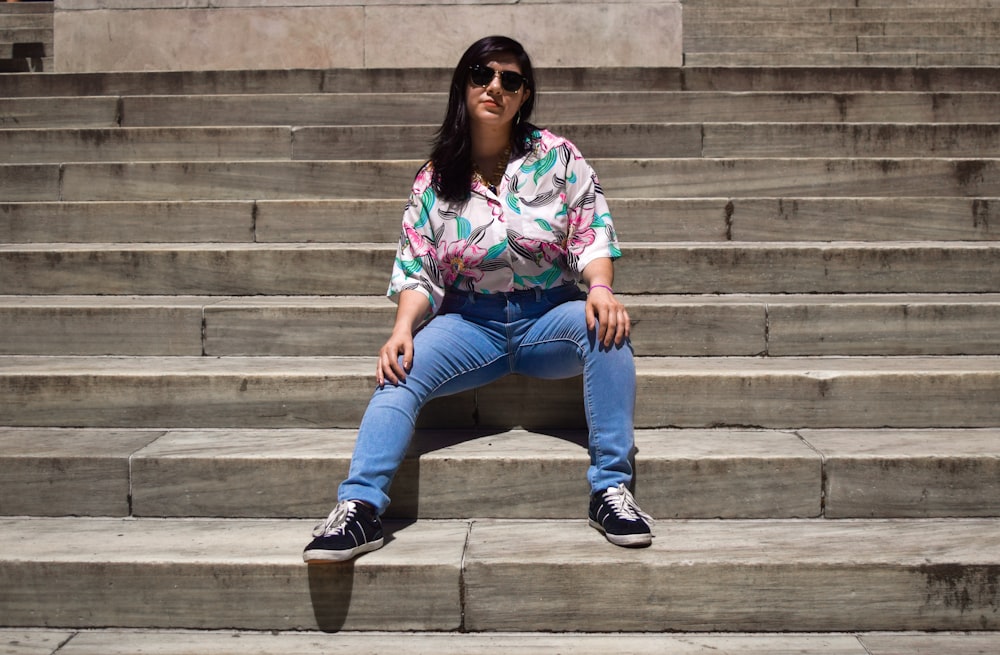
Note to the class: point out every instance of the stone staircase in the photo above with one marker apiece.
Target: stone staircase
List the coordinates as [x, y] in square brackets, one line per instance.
[192, 268]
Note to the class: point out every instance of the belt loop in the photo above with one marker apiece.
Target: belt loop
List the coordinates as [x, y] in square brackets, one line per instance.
[472, 296]
[538, 294]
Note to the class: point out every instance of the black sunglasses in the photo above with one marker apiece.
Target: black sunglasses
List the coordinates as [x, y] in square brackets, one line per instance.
[511, 82]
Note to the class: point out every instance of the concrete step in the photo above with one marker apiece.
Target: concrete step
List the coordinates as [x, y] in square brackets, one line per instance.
[564, 107]
[180, 642]
[824, 77]
[647, 140]
[691, 473]
[687, 325]
[767, 29]
[636, 219]
[862, 43]
[847, 12]
[987, 60]
[675, 267]
[506, 576]
[623, 178]
[769, 392]
[229, 642]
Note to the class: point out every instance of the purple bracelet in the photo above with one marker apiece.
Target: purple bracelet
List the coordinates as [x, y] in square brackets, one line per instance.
[601, 286]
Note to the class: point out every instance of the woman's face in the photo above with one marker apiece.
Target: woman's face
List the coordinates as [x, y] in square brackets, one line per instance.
[492, 105]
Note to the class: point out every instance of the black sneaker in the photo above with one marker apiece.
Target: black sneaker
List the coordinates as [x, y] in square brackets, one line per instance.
[351, 529]
[615, 513]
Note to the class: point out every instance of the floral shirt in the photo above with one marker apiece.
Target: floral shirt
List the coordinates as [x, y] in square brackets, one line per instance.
[546, 221]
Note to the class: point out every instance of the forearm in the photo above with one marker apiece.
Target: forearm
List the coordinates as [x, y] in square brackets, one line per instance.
[600, 271]
[413, 307]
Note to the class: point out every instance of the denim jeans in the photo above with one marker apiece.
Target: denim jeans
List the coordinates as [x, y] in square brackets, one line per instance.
[478, 338]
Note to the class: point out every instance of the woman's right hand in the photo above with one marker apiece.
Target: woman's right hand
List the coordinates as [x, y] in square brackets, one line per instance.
[413, 306]
[389, 367]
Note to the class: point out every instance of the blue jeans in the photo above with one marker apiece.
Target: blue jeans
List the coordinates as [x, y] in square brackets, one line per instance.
[480, 338]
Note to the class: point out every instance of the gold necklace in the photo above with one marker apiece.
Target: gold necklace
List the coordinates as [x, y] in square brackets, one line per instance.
[497, 176]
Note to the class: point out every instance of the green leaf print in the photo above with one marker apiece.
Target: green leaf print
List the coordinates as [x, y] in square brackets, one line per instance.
[541, 166]
[464, 227]
[409, 266]
[546, 279]
[426, 202]
[513, 203]
[544, 224]
[496, 250]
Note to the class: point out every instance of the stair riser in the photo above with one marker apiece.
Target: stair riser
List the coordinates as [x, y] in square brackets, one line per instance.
[555, 107]
[987, 61]
[790, 399]
[624, 178]
[686, 140]
[377, 221]
[232, 328]
[726, 76]
[769, 29]
[798, 44]
[648, 269]
[679, 474]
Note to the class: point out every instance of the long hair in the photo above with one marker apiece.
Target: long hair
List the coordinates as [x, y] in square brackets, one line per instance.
[451, 154]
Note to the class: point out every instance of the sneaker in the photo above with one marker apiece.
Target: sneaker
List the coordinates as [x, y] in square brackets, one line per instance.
[615, 513]
[351, 529]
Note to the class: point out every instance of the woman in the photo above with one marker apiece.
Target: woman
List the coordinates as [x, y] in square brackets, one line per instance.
[501, 225]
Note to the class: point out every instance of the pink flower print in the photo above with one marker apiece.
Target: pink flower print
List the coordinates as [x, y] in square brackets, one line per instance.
[423, 179]
[578, 240]
[460, 259]
[550, 251]
[418, 243]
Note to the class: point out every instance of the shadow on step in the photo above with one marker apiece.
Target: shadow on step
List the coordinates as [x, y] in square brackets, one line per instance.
[331, 586]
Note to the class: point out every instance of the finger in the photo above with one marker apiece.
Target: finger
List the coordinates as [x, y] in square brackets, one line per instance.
[622, 324]
[591, 312]
[606, 331]
[407, 357]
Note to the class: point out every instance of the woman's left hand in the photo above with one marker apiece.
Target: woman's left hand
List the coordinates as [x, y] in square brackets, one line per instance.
[608, 315]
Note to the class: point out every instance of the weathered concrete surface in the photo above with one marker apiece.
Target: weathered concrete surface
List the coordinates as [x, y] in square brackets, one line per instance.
[135, 35]
[651, 268]
[910, 473]
[786, 392]
[67, 472]
[729, 575]
[224, 574]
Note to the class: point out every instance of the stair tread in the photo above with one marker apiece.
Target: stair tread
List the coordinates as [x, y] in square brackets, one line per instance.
[913, 542]
[350, 366]
[179, 642]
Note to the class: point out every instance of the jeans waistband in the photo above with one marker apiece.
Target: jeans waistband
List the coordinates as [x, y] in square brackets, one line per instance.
[555, 294]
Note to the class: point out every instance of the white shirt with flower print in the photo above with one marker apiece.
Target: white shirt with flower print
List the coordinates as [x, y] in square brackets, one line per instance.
[547, 220]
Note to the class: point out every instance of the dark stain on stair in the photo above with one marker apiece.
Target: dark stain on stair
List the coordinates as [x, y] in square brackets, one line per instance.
[966, 589]
[969, 172]
[981, 214]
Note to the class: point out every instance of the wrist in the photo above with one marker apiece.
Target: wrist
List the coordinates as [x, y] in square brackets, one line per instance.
[600, 286]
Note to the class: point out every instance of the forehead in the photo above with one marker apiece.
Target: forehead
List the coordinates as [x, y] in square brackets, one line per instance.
[502, 61]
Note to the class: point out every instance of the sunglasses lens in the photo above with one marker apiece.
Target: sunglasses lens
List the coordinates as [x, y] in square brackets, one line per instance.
[511, 81]
[481, 75]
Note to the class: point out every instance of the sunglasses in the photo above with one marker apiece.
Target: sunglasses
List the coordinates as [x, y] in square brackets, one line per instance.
[511, 82]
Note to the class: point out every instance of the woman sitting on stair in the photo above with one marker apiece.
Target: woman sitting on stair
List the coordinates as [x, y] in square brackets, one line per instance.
[502, 224]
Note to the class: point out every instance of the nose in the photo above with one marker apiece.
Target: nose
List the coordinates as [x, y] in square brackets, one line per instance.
[494, 85]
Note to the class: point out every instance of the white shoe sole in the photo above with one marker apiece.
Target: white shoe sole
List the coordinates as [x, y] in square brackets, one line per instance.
[626, 540]
[317, 556]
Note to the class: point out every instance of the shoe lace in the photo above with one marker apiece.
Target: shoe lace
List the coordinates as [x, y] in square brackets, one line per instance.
[336, 522]
[623, 504]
